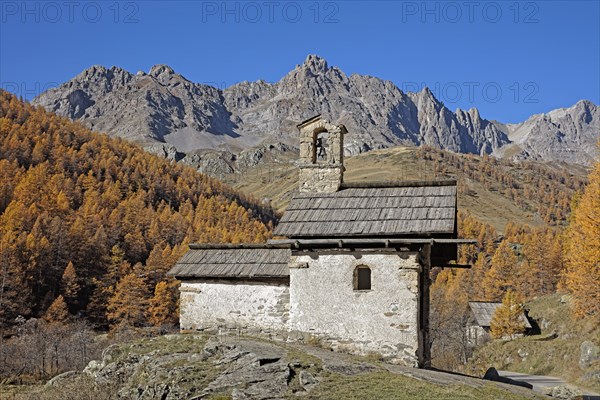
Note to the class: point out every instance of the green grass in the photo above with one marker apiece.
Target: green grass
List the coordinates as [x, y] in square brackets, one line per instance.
[168, 344]
[385, 385]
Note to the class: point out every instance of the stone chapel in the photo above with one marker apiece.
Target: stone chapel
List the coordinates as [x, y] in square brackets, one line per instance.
[348, 266]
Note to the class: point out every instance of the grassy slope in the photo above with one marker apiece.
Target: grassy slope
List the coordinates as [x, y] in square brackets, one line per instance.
[278, 180]
[385, 385]
[544, 354]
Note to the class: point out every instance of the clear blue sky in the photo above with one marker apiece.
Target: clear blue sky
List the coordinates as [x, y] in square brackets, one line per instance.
[509, 59]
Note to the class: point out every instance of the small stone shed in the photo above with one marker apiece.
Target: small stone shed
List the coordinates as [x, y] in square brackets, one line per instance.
[478, 327]
[243, 288]
[349, 265]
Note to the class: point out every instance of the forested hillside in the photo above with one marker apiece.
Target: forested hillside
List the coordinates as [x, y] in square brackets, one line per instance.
[534, 265]
[527, 262]
[545, 189]
[90, 224]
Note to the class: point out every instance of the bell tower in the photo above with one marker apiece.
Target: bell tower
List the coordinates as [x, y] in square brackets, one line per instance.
[321, 155]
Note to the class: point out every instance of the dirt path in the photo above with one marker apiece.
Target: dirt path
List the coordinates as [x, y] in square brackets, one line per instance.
[542, 383]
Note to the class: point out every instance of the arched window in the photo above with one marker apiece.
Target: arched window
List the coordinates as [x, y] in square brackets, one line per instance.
[320, 145]
[362, 278]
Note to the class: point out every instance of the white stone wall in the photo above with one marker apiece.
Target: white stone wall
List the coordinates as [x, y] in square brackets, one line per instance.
[477, 335]
[384, 320]
[254, 307]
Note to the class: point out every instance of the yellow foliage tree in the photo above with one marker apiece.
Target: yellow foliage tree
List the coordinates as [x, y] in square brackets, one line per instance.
[582, 250]
[501, 275]
[479, 270]
[129, 302]
[163, 306]
[507, 320]
[542, 264]
[69, 286]
[57, 312]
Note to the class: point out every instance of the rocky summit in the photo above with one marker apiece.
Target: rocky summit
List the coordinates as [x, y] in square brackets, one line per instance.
[177, 118]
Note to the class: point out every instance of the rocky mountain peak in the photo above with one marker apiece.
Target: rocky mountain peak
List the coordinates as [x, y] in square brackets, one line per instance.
[426, 98]
[584, 103]
[474, 113]
[97, 78]
[161, 69]
[585, 106]
[427, 93]
[95, 71]
[101, 70]
[315, 64]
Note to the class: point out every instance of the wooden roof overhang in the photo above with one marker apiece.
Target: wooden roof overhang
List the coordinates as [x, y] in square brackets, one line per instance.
[443, 250]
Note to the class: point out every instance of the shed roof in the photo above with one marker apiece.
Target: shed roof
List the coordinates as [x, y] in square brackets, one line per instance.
[231, 261]
[484, 311]
[412, 208]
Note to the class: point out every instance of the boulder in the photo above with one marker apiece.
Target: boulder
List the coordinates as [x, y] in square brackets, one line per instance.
[589, 353]
[564, 392]
[593, 377]
[59, 379]
[307, 380]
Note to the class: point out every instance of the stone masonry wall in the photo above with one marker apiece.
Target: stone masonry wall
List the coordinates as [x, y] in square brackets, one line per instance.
[324, 304]
[320, 179]
[253, 307]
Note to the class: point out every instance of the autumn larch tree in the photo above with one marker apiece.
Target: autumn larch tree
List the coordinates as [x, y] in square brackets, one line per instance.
[72, 195]
[582, 250]
[507, 321]
[57, 312]
[501, 275]
[69, 287]
[129, 302]
[163, 306]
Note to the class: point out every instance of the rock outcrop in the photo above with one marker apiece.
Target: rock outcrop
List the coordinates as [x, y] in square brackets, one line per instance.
[193, 367]
[196, 366]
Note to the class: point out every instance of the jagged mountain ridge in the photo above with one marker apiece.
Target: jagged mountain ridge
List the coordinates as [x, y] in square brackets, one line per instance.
[170, 114]
[565, 134]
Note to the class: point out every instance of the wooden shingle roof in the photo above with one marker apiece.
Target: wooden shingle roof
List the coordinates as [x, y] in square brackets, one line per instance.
[484, 311]
[243, 261]
[410, 209]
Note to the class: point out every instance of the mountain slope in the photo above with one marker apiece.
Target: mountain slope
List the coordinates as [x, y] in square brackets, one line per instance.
[495, 191]
[71, 196]
[566, 134]
[172, 116]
